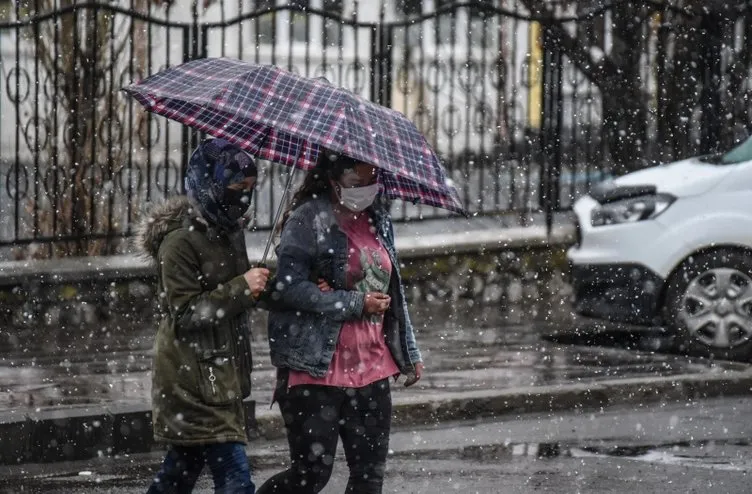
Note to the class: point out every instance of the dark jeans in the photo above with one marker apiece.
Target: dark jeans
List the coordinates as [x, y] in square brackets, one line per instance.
[183, 464]
[315, 416]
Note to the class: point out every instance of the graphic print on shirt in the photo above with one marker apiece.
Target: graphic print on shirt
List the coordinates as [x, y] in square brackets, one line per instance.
[375, 278]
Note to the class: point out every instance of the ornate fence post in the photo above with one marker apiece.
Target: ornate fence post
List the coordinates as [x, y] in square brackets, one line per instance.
[551, 126]
[712, 26]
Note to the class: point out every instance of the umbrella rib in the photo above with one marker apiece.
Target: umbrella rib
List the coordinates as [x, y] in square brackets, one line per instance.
[281, 206]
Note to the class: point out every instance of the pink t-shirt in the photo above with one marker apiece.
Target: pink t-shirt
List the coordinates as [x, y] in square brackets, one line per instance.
[361, 356]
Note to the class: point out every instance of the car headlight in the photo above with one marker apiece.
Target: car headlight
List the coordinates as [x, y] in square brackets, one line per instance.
[631, 210]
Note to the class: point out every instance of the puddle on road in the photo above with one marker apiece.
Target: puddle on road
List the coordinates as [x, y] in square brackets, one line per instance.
[614, 336]
[698, 455]
[586, 332]
[727, 455]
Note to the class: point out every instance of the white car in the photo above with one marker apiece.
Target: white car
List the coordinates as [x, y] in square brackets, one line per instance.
[672, 246]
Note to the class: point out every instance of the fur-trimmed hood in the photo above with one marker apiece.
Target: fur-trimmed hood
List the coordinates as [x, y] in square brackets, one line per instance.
[163, 218]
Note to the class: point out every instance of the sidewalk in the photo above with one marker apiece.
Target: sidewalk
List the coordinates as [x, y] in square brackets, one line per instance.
[495, 368]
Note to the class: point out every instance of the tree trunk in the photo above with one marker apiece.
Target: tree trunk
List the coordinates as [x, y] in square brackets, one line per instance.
[624, 105]
[81, 62]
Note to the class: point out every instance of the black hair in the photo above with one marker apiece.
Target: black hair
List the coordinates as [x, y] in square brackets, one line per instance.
[317, 182]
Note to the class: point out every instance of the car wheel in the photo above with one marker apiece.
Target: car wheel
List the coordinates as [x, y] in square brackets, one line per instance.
[709, 304]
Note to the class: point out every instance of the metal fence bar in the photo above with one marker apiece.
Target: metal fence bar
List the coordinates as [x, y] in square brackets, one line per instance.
[92, 128]
[35, 30]
[130, 106]
[109, 173]
[55, 130]
[17, 165]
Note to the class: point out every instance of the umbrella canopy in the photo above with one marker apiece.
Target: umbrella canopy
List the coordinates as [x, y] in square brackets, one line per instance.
[288, 119]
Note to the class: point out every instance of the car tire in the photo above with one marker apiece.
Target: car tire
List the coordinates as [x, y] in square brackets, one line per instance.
[709, 305]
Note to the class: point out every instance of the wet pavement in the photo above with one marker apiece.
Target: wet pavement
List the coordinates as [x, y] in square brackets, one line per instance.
[697, 446]
[465, 348]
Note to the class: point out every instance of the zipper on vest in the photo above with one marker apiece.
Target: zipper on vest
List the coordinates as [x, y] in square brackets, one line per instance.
[212, 378]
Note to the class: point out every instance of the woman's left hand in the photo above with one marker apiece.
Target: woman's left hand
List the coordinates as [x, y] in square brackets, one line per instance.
[412, 379]
[324, 286]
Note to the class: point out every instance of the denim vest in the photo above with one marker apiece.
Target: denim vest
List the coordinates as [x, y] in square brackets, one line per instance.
[304, 322]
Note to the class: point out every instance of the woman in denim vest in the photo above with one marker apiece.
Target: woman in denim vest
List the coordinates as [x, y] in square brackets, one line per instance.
[336, 349]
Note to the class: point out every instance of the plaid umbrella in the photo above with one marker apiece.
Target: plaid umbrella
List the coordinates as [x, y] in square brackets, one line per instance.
[285, 118]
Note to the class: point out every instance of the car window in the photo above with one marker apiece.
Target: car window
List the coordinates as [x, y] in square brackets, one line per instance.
[742, 152]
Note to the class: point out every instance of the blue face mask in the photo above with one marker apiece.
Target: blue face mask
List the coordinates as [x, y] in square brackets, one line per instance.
[236, 203]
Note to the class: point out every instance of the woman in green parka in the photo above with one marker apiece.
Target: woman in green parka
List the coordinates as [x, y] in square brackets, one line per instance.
[202, 360]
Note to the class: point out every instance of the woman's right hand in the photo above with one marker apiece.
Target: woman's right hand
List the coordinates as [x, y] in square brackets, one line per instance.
[376, 303]
[256, 279]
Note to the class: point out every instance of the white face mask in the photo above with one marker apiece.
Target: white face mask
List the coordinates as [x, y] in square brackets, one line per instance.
[358, 198]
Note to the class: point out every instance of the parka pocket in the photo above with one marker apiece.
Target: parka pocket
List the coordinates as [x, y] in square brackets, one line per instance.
[218, 378]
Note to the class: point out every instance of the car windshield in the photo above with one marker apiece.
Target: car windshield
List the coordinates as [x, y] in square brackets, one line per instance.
[739, 154]
[742, 152]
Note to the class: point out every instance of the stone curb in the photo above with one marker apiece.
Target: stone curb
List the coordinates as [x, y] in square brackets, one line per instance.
[128, 266]
[78, 434]
[68, 434]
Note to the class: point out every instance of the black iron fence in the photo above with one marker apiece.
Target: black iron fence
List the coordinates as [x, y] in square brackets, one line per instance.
[527, 102]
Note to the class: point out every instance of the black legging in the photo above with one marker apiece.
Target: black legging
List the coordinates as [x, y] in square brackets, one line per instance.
[314, 417]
